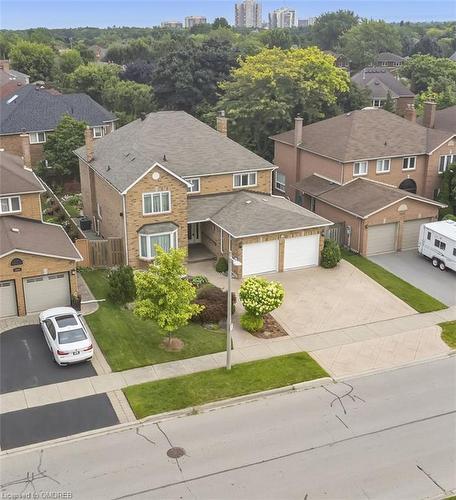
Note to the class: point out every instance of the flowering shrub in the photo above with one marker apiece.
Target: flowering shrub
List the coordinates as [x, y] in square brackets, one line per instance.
[260, 296]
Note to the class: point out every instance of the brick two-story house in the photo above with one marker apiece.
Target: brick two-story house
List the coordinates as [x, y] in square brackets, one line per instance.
[372, 146]
[37, 259]
[171, 180]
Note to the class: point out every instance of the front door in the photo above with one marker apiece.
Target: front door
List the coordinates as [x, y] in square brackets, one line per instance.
[194, 233]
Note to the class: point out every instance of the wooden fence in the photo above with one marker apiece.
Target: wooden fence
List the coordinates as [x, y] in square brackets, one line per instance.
[101, 253]
[336, 233]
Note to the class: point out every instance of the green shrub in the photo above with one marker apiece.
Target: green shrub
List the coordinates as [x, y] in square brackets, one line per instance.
[330, 255]
[222, 265]
[214, 301]
[449, 217]
[199, 281]
[260, 296]
[122, 288]
[251, 323]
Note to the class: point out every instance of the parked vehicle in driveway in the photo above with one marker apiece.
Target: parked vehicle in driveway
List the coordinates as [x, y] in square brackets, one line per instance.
[437, 241]
[66, 335]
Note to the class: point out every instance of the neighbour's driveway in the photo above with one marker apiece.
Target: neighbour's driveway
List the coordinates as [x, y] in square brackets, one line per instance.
[25, 361]
[419, 272]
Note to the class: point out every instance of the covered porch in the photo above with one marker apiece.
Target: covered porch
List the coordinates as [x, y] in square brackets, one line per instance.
[197, 250]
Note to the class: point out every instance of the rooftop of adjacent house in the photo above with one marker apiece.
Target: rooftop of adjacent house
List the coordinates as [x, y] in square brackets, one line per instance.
[453, 56]
[245, 213]
[15, 178]
[380, 81]
[36, 237]
[34, 108]
[445, 119]
[361, 197]
[366, 133]
[389, 57]
[174, 139]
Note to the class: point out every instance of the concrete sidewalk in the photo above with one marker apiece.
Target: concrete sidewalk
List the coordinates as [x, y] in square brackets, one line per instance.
[389, 343]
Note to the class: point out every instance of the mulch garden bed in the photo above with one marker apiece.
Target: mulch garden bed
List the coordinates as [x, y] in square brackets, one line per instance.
[271, 329]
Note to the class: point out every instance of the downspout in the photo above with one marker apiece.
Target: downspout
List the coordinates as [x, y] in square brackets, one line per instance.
[359, 235]
[124, 210]
[342, 174]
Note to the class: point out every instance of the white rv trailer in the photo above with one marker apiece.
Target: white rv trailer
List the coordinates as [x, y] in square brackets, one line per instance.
[437, 241]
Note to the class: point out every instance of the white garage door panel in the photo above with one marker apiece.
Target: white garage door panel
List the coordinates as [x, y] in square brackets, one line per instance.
[411, 233]
[302, 251]
[7, 299]
[381, 239]
[44, 292]
[260, 258]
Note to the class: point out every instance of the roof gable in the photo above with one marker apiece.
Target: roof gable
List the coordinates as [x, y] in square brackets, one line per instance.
[371, 78]
[15, 178]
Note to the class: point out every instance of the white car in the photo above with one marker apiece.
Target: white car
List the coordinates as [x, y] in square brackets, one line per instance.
[66, 336]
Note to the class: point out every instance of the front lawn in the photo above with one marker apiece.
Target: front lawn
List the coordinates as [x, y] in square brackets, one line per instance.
[414, 297]
[449, 333]
[214, 385]
[129, 342]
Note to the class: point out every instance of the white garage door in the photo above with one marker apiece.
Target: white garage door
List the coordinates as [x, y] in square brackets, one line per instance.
[381, 239]
[8, 305]
[411, 233]
[44, 292]
[301, 252]
[259, 258]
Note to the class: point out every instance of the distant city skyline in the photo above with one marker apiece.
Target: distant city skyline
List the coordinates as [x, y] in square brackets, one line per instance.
[102, 13]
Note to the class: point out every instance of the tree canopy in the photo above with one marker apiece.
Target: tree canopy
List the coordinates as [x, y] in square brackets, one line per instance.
[330, 26]
[33, 59]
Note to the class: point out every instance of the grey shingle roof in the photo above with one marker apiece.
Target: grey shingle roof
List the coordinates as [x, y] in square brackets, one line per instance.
[453, 56]
[14, 178]
[389, 57]
[34, 110]
[445, 119]
[379, 81]
[191, 148]
[244, 213]
[367, 133]
[34, 236]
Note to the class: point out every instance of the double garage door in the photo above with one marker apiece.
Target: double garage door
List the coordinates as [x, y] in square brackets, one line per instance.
[261, 258]
[40, 293]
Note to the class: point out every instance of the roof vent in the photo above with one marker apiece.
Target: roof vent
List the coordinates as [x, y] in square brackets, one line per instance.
[11, 99]
[15, 230]
[248, 202]
[164, 158]
[108, 168]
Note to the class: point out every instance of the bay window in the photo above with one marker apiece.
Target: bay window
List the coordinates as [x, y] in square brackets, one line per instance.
[147, 243]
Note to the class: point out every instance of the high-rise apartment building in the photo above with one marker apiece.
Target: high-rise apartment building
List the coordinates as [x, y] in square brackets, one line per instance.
[305, 23]
[283, 18]
[191, 21]
[171, 24]
[248, 14]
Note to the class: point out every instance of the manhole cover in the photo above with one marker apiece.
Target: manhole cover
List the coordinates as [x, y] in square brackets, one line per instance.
[175, 452]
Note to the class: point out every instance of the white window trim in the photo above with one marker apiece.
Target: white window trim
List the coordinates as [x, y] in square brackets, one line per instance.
[151, 194]
[408, 158]
[361, 174]
[382, 162]
[199, 184]
[37, 141]
[98, 127]
[173, 241]
[447, 162]
[240, 174]
[379, 101]
[277, 183]
[9, 211]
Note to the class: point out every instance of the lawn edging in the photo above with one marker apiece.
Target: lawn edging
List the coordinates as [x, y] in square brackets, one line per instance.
[448, 334]
[412, 296]
[188, 393]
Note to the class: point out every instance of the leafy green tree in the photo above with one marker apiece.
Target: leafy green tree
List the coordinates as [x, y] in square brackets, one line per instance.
[269, 89]
[122, 288]
[362, 43]
[34, 59]
[139, 72]
[277, 37]
[389, 103]
[330, 255]
[86, 54]
[424, 71]
[220, 22]
[355, 98]
[330, 26]
[447, 193]
[69, 61]
[92, 78]
[260, 296]
[162, 295]
[41, 35]
[428, 45]
[59, 147]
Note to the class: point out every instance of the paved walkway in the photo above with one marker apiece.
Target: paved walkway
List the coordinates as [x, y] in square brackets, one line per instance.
[417, 335]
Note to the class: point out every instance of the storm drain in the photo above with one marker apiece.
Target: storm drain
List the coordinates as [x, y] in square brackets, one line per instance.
[175, 452]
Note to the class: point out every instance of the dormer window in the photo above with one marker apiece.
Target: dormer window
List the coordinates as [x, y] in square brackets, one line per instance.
[37, 137]
[98, 132]
[10, 205]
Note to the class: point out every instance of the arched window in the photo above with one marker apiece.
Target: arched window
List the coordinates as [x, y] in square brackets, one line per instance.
[16, 262]
[408, 185]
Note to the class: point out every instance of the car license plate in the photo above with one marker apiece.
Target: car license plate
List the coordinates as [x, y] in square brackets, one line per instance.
[75, 353]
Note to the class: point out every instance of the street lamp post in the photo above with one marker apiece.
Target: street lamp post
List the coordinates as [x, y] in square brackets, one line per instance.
[231, 262]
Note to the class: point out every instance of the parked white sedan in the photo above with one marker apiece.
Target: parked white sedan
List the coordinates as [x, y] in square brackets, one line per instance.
[66, 336]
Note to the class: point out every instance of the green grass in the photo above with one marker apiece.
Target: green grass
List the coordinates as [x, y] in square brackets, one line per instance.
[72, 206]
[129, 342]
[449, 333]
[414, 297]
[214, 385]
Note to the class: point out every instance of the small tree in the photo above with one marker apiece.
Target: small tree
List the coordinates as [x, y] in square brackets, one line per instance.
[161, 293]
[330, 255]
[122, 287]
[447, 193]
[389, 103]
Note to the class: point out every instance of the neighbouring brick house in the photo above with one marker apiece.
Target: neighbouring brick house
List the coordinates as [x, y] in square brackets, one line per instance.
[389, 60]
[171, 180]
[380, 82]
[10, 79]
[37, 259]
[36, 111]
[369, 144]
[440, 119]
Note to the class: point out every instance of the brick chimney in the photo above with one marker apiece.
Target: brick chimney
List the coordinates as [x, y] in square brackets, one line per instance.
[410, 113]
[89, 143]
[222, 123]
[298, 131]
[25, 143]
[429, 114]
[5, 65]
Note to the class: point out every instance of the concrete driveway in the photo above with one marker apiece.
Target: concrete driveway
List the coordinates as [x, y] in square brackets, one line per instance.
[419, 272]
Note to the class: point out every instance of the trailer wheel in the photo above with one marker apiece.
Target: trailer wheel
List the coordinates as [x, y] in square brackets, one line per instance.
[435, 262]
[442, 266]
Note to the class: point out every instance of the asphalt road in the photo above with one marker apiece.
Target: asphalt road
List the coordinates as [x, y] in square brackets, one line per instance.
[385, 436]
[418, 271]
[25, 361]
